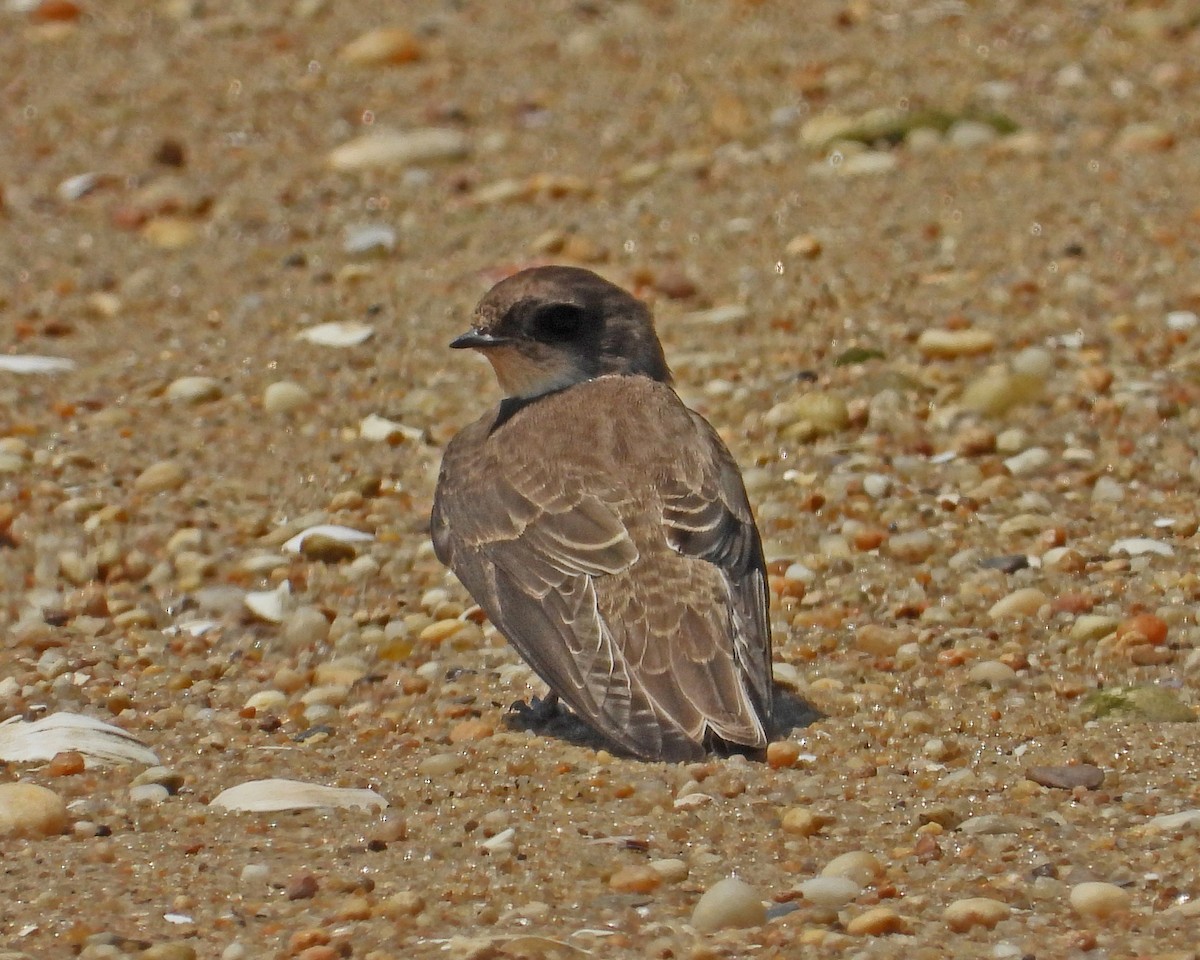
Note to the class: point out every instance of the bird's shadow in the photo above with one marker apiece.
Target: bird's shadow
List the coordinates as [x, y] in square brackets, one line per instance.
[551, 719]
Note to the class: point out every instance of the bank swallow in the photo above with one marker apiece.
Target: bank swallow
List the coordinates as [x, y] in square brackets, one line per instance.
[603, 527]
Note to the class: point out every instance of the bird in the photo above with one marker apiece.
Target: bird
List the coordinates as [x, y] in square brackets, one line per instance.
[603, 526]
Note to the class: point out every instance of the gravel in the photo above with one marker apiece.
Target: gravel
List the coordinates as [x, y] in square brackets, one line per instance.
[926, 268]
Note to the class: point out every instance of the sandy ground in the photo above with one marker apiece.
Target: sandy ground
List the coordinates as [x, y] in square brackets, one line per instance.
[929, 267]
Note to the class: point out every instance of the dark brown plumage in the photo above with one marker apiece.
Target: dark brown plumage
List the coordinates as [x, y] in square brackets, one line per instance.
[603, 526]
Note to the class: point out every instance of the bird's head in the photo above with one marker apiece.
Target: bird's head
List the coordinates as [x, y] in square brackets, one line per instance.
[547, 328]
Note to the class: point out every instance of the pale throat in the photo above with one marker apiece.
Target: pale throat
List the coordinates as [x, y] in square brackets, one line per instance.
[522, 377]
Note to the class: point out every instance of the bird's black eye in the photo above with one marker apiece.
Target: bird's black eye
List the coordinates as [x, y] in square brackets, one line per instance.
[557, 321]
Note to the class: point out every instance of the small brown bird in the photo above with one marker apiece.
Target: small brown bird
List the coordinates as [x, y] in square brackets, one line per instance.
[603, 526]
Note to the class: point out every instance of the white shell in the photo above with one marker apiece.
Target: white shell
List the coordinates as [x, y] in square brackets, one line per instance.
[330, 530]
[1136, 546]
[399, 148]
[80, 185]
[262, 796]
[29, 363]
[367, 237]
[269, 605]
[99, 742]
[338, 333]
[381, 429]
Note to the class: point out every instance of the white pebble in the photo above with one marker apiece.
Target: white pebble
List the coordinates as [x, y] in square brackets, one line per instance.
[27, 810]
[1182, 320]
[1028, 462]
[1099, 900]
[830, 892]
[993, 673]
[1107, 490]
[395, 148]
[194, 390]
[985, 912]
[284, 396]
[877, 485]
[859, 865]
[1020, 603]
[729, 903]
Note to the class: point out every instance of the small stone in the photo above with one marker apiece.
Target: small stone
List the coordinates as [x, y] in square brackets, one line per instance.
[913, 547]
[671, 870]
[168, 951]
[993, 825]
[1107, 490]
[877, 640]
[948, 344]
[395, 148]
[194, 390]
[28, 810]
[804, 245]
[1020, 603]
[305, 628]
[1143, 628]
[148, 793]
[832, 893]
[1028, 462]
[962, 915]
[284, 396]
[160, 477]
[802, 822]
[876, 922]
[1067, 776]
[468, 731]
[782, 754]
[441, 765]
[876, 485]
[1093, 626]
[970, 134]
[302, 886]
[729, 903]
[1143, 138]
[164, 777]
[811, 414]
[1099, 901]
[993, 673]
[636, 879]
[387, 46]
[860, 866]
[975, 441]
[170, 233]
[996, 392]
[1182, 320]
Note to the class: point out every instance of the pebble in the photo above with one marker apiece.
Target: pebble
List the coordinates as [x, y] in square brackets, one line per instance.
[194, 390]
[148, 793]
[386, 46]
[160, 477]
[876, 922]
[168, 951]
[337, 333]
[1140, 546]
[1182, 320]
[302, 886]
[29, 810]
[1143, 138]
[636, 879]
[1028, 462]
[397, 148]
[782, 754]
[441, 765]
[1092, 626]
[803, 822]
[1020, 603]
[729, 903]
[993, 673]
[948, 344]
[811, 414]
[860, 866]
[962, 915]
[970, 134]
[996, 392]
[1067, 776]
[832, 893]
[913, 547]
[369, 238]
[305, 628]
[284, 396]
[672, 870]
[1098, 900]
[1107, 490]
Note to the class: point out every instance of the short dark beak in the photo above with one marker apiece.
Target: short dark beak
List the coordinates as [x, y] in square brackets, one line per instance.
[477, 340]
